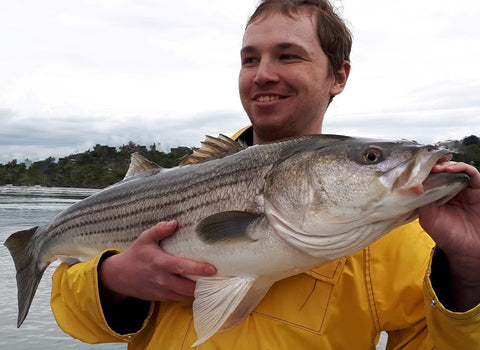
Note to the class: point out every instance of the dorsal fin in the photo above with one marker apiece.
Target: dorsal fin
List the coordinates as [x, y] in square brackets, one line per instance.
[213, 148]
[138, 165]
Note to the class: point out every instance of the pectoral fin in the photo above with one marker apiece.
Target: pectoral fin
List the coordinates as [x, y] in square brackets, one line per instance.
[226, 226]
[222, 302]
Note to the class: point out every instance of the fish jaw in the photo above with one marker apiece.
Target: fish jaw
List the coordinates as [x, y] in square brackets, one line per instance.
[414, 184]
[444, 186]
[410, 175]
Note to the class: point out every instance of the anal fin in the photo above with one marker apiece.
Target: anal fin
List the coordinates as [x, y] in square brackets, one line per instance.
[222, 302]
[248, 304]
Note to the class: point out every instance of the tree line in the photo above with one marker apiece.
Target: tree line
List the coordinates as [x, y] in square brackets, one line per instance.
[467, 150]
[96, 168]
[104, 165]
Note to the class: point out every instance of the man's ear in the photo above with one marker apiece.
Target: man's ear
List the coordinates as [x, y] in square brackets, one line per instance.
[341, 77]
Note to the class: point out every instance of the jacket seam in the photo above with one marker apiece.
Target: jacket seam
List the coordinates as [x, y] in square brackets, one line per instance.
[186, 335]
[369, 287]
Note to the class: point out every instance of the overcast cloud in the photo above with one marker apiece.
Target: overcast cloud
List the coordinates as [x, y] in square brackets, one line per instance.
[78, 73]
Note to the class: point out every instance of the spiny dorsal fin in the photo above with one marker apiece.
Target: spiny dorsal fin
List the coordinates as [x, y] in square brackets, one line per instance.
[213, 148]
[138, 165]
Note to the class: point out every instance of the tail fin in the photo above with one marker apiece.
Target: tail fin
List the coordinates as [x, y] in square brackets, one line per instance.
[28, 272]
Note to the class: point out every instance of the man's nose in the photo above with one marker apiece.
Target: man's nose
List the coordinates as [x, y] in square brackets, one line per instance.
[266, 73]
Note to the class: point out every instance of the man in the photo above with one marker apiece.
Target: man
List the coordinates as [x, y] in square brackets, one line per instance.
[295, 59]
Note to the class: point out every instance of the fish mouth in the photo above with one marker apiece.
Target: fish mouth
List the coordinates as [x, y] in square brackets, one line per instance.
[412, 174]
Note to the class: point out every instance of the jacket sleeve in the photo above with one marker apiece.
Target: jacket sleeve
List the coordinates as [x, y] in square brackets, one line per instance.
[449, 329]
[76, 305]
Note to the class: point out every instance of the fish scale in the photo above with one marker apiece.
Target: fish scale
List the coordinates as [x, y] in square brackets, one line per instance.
[148, 199]
[257, 214]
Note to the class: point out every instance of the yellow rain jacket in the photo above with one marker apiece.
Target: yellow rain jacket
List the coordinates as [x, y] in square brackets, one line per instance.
[342, 305]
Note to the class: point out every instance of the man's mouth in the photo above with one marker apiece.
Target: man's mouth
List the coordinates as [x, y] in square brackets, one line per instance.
[269, 98]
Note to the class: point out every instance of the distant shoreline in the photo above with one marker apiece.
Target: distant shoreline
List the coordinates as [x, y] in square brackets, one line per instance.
[40, 191]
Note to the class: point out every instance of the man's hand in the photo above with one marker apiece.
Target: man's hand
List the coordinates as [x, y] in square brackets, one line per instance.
[145, 271]
[455, 227]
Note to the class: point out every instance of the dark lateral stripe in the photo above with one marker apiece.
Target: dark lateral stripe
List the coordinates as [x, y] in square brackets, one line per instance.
[148, 204]
[161, 199]
[117, 224]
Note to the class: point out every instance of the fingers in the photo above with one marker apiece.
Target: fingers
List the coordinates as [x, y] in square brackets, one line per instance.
[454, 167]
[459, 167]
[186, 267]
[159, 231]
[171, 263]
[180, 287]
[147, 272]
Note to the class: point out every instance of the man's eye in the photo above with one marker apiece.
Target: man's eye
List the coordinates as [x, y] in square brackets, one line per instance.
[289, 57]
[248, 61]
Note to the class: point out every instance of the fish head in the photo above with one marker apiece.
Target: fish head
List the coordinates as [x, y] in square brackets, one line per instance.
[344, 193]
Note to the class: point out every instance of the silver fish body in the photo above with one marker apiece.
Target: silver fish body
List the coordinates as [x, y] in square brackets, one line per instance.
[259, 215]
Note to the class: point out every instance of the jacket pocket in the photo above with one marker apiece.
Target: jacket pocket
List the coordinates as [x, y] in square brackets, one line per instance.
[302, 300]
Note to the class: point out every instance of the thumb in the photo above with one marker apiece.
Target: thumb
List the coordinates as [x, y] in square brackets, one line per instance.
[159, 231]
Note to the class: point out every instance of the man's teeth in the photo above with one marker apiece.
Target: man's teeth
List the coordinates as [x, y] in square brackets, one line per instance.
[267, 98]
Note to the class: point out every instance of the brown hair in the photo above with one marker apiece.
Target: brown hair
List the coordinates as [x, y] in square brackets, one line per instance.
[333, 34]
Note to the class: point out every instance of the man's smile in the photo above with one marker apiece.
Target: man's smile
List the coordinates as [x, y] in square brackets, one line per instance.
[270, 98]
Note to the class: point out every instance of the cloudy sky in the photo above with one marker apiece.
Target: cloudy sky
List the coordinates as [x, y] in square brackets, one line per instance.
[78, 73]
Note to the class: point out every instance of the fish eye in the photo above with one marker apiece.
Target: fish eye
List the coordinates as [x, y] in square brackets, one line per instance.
[372, 156]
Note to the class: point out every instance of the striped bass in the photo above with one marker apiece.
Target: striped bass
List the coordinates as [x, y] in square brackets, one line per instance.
[258, 214]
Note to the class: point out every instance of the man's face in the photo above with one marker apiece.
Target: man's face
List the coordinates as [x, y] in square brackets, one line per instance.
[284, 81]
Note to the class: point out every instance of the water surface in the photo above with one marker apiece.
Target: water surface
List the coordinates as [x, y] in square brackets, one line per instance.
[22, 208]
